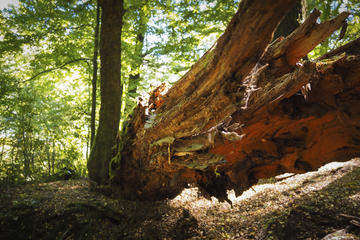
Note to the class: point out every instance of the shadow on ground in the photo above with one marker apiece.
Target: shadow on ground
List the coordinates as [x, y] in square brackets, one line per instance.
[319, 213]
[306, 206]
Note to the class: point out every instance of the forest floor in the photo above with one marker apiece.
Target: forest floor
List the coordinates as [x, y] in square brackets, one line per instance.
[304, 206]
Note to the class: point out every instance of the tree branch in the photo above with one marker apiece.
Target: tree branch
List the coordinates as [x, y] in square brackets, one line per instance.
[57, 67]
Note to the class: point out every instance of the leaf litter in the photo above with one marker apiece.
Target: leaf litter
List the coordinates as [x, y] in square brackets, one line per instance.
[302, 206]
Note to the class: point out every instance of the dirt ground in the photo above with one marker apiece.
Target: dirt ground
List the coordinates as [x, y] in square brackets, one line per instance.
[304, 206]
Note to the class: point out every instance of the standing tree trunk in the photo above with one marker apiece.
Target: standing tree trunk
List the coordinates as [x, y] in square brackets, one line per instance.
[3, 144]
[94, 78]
[237, 115]
[110, 90]
[134, 79]
[53, 156]
[26, 153]
[136, 59]
[47, 151]
[292, 19]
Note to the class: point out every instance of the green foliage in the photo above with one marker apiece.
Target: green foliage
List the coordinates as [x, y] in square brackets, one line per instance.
[45, 47]
[330, 9]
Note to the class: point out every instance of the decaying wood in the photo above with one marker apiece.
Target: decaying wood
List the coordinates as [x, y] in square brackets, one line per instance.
[210, 80]
[238, 115]
[298, 44]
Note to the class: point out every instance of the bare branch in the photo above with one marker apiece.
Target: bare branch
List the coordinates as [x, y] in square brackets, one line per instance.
[57, 67]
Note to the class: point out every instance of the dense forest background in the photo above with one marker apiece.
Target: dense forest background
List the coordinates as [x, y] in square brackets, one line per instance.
[49, 76]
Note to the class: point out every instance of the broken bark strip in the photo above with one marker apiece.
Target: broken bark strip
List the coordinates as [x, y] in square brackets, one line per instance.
[289, 51]
[273, 91]
[224, 127]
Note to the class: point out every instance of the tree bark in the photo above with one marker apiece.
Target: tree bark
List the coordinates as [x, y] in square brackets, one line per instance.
[53, 156]
[134, 79]
[245, 111]
[47, 151]
[110, 90]
[291, 20]
[94, 78]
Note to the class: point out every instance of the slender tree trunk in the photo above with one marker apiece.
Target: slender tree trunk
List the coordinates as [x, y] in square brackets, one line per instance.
[14, 159]
[32, 154]
[137, 58]
[2, 150]
[53, 156]
[94, 78]
[134, 79]
[88, 139]
[47, 150]
[110, 90]
[3, 143]
[292, 20]
[25, 151]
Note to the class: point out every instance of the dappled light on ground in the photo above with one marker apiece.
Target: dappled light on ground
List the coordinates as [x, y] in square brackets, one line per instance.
[191, 196]
[261, 202]
[301, 206]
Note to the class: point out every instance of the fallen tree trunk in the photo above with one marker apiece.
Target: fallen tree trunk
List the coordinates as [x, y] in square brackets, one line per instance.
[245, 111]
